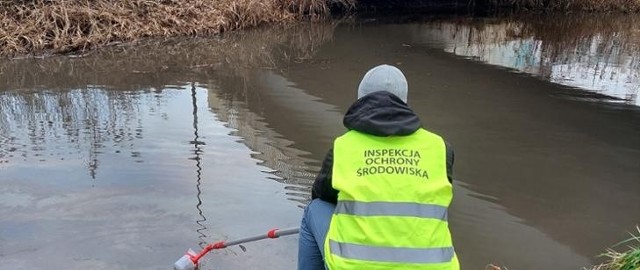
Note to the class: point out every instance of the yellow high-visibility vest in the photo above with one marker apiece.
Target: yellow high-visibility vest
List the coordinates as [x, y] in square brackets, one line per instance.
[392, 203]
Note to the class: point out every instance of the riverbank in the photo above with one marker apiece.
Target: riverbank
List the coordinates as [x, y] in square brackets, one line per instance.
[501, 6]
[45, 27]
[42, 27]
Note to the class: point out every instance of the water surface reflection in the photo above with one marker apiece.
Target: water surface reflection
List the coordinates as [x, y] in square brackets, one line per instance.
[599, 54]
[62, 117]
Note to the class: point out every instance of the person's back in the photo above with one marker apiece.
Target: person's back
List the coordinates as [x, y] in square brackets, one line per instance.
[390, 182]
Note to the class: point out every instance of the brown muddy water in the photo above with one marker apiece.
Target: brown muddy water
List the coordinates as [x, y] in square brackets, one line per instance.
[126, 157]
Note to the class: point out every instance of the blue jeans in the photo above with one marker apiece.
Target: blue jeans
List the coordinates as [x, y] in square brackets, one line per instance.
[313, 231]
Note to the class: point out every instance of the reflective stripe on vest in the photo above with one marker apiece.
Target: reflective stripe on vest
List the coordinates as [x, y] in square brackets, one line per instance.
[391, 209]
[391, 254]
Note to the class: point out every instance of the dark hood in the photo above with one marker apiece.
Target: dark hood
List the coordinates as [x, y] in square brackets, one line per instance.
[382, 114]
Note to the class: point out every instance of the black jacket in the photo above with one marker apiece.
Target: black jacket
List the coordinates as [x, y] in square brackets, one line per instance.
[381, 114]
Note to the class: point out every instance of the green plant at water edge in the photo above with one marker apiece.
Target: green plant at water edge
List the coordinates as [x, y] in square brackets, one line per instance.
[628, 260]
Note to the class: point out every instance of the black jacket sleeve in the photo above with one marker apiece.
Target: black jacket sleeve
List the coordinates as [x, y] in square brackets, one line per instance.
[450, 159]
[322, 187]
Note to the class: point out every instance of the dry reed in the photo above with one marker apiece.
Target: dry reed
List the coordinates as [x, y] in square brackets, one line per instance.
[40, 27]
[569, 5]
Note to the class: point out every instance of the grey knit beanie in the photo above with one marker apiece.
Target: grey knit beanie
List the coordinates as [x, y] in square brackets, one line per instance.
[384, 78]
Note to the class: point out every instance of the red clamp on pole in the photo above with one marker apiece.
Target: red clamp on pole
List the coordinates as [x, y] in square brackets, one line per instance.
[272, 233]
[216, 245]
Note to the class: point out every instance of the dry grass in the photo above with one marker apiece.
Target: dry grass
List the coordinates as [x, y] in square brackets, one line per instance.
[59, 26]
[570, 5]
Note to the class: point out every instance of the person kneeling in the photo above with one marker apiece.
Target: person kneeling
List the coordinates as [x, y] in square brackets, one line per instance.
[381, 197]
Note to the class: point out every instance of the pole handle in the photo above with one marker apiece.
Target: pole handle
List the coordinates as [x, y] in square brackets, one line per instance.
[288, 231]
[274, 233]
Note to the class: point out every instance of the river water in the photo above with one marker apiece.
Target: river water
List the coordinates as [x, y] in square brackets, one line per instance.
[126, 157]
